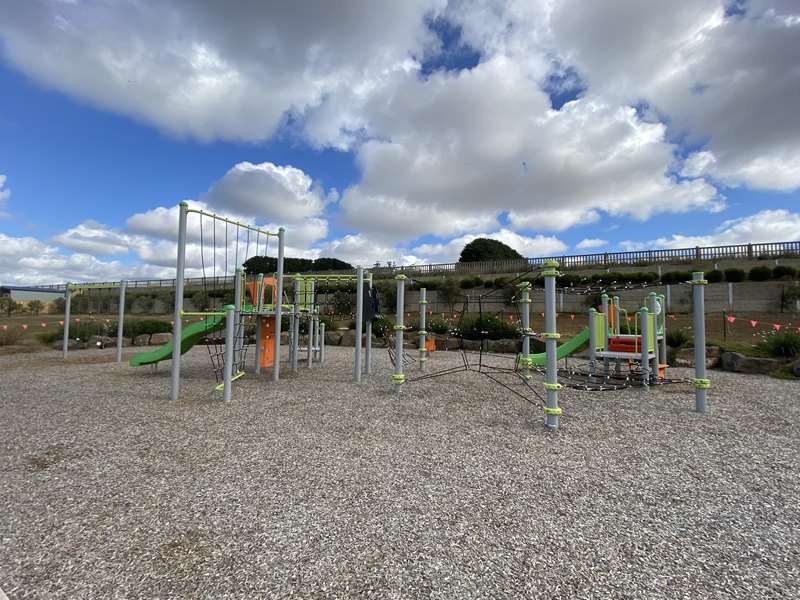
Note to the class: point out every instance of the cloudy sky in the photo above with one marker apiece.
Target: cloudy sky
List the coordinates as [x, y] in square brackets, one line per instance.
[377, 131]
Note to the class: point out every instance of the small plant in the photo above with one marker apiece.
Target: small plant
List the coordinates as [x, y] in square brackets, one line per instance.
[784, 272]
[343, 302]
[677, 338]
[439, 326]
[791, 297]
[487, 327]
[715, 276]
[467, 283]
[783, 345]
[734, 275]
[10, 336]
[381, 326]
[676, 277]
[760, 274]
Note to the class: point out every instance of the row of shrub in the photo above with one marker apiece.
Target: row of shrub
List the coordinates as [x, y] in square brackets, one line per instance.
[86, 329]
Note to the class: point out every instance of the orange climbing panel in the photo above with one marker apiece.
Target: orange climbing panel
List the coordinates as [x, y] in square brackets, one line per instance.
[266, 341]
[430, 345]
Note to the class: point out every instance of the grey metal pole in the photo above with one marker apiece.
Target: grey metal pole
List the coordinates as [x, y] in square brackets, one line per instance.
[525, 311]
[368, 335]
[276, 365]
[551, 336]
[230, 326]
[257, 353]
[652, 303]
[238, 330]
[643, 312]
[423, 304]
[322, 342]
[311, 305]
[317, 325]
[561, 301]
[121, 318]
[701, 383]
[663, 317]
[399, 378]
[368, 347]
[592, 340]
[730, 295]
[177, 324]
[668, 296]
[295, 325]
[67, 314]
[604, 300]
[615, 308]
[359, 323]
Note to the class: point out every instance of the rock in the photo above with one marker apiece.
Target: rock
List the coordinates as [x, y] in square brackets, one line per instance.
[73, 345]
[467, 344]
[157, 339]
[349, 338]
[796, 368]
[506, 346]
[142, 340]
[126, 342]
[684, 357]
[334, 338]
[103, 341]
[739, 363]
[284, 338]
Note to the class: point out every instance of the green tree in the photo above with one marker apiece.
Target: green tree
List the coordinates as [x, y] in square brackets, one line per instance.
[35, 306]
[8, 305]
[450, 291]
[487, 249]
[57, 306]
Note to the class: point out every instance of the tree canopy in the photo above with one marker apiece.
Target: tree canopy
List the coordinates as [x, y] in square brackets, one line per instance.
[487, 249]
[269, 264]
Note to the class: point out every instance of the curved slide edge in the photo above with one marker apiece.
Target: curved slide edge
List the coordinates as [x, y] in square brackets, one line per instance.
[565, 349]
[190, 335]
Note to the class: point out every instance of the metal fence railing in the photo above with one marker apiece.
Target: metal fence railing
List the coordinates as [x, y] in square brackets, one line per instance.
[602, 259]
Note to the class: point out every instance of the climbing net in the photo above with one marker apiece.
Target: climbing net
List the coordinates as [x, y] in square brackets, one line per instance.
[229, 244]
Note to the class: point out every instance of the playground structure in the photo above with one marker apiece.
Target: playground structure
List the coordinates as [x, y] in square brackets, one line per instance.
[259, 303]
[644, 351]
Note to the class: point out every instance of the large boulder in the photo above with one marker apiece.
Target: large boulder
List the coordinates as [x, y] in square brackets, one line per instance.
[72, 345]
[334, 338]
[100, 341]
[796, 368]
[684, 357]
[157, 339]
[142, 340]
[508, 346]
[739, 363]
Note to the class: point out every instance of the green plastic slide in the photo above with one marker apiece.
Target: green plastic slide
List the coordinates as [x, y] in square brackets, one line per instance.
[564, 349]
[190, 335]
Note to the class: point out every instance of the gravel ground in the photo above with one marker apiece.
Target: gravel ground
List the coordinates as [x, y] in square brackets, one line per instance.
[318, 488]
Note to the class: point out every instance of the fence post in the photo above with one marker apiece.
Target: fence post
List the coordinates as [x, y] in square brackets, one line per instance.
[359, 323]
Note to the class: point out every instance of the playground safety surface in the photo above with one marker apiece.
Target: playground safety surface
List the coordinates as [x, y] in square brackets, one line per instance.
[319, 488]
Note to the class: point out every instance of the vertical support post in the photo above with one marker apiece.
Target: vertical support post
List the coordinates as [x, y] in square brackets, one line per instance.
[67, 315]
[730, 295]
[258, 301]
[592, 340]
[177, 324]
[322, 343]
[645, 336]
[227, 366]
[317, 324]
[423, 304]
[652, 307]
[663, 318]
[659, 272]
[561, 301]
[615, 308]
[276, 365]
[525, 318]
[237, 302]
[604, 303]
[668, 298]
[701, 383]
[368, 347]
[121, 318]
[257, 353]
[551, 336]
[310, 332]
[295, 325]
[359, 323]
[399, 378]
